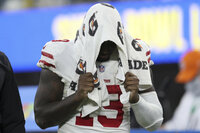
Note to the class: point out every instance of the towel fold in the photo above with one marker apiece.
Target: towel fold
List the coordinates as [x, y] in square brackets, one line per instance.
[102, 23]
[137, 60]
[137, 64]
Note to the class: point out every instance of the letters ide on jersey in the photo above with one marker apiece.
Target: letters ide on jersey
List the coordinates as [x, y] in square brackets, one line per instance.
[59, 56]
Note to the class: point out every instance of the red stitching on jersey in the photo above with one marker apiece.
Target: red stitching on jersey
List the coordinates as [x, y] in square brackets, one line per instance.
[64, 40]
[46, 63]
[149, 59]
[148, 53]
[107, 80]
[47, 55]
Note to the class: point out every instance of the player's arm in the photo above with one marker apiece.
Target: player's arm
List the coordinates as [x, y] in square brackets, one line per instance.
[148, 110]
[49, 107]
[145, 104]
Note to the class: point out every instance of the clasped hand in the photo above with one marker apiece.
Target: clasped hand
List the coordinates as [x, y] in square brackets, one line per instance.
[131, 84]
[86, 85]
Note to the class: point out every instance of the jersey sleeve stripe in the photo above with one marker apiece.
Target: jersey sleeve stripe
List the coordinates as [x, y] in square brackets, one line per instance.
[148, 53]
[47, 55]
[46, 63]
[65, 40]
[149, 59]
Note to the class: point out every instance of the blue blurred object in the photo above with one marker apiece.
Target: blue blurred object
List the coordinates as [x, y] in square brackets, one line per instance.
[27, 94]
[170, 28]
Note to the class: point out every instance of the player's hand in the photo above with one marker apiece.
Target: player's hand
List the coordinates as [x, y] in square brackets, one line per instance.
[131, 84]
[85, 85]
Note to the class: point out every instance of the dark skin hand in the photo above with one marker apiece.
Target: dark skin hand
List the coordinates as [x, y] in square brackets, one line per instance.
[131, 84]
[50, 109]
[86, 85]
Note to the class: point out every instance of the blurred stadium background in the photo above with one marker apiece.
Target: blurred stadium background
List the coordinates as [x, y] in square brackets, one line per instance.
[170, 27]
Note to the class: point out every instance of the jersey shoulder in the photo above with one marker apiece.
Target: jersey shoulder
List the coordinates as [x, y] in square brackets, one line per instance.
[146, 49]
[54, 51]
[60, 57]
[56, 47]
[142, 44]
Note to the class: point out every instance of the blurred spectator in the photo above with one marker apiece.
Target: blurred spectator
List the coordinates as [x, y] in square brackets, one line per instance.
[12, 5]
[48, 3]
[187, 114]
[11, 114]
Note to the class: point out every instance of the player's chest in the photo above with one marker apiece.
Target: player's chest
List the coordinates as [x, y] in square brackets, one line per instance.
[113, 114]
[107, 71]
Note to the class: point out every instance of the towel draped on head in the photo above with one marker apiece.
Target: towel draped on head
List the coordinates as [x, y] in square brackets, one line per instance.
[103, 23]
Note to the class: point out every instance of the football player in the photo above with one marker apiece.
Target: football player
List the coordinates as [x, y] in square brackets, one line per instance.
[68, 82]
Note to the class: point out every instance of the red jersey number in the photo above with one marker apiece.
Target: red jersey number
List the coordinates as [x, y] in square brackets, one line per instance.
[104, 120]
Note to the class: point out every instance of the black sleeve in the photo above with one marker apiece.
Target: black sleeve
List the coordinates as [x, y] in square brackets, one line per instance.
[11, 113]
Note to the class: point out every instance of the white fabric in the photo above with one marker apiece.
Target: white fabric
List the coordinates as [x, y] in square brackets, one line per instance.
[194, 86]
[65, 62]
[108, 21]
[148, 111]
[108, 73]
[194, 119]
[181, 114]
[107, 24]
[86, 47]
[142, 74]
[185, 118]
[64, 59]
[186, 115]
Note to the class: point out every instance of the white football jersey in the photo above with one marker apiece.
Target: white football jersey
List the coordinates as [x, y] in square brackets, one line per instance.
[68, 60]
[59, 56]
[114, 118]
